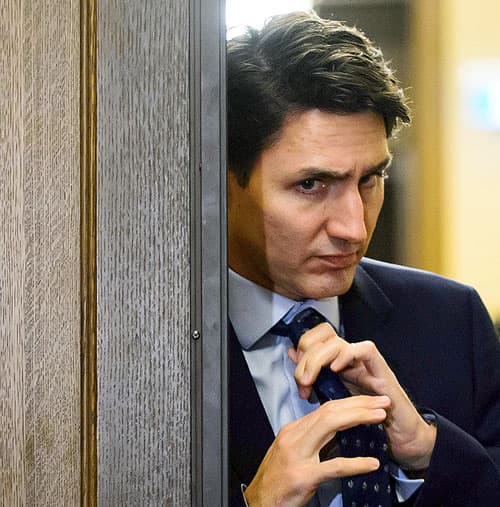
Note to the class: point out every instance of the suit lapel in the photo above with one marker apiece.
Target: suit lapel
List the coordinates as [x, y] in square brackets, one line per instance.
[250, 433]
[364, 308]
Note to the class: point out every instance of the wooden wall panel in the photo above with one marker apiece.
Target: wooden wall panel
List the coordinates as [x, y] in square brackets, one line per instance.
[143, 253]
[39, 245]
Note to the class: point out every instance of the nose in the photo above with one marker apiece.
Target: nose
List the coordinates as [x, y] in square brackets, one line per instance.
[345, 217]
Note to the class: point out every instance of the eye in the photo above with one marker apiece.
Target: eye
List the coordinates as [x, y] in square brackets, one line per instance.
[370, 180]
[310, 186]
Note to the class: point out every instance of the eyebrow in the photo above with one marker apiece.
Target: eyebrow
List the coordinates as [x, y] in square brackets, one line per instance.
[330, 175]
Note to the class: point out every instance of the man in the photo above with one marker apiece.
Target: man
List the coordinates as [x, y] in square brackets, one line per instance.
[311, 106]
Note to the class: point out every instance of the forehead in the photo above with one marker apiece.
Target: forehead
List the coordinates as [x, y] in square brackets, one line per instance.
[343, 141]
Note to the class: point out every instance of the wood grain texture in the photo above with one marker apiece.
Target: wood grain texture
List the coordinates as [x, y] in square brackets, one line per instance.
[88, 250]
[143, 253]
[39, 266]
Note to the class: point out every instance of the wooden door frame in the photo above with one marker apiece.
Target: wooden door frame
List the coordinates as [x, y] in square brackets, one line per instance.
[209, 256]
[208, 270]
[88, 235]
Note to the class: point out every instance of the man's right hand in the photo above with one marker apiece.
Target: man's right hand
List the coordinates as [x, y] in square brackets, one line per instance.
[291, 470]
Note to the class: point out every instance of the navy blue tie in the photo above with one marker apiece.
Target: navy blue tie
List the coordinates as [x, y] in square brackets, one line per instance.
[366, 490]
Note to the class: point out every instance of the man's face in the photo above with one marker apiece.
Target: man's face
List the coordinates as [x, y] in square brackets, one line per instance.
[307, 215]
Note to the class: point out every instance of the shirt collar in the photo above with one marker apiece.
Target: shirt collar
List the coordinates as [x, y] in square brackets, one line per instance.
[253, 310]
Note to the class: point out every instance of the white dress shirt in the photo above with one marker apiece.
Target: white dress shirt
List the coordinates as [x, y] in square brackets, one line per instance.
[253, 311]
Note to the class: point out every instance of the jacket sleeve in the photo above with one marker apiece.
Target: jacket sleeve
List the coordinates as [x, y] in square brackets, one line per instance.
[236, 498]
[465, 468]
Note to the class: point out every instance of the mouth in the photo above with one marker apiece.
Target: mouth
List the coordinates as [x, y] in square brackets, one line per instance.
[340, 261]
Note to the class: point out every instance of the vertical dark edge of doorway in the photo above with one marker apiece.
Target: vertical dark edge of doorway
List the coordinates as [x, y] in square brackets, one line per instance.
[208, 338]
[88, 253]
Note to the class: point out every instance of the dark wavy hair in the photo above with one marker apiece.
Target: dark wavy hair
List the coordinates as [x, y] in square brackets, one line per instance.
[297, 62]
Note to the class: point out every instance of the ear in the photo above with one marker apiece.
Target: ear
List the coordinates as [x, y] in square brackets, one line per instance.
[234, 189]
[231, 182]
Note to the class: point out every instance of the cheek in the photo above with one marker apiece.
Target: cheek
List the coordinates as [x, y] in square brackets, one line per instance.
[288, 241]
[276, 231]
[287, 224]
[373, 208]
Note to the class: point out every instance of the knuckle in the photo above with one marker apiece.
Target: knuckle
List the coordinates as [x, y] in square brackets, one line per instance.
[282, 447]
[303, 345]
[284, 432]
[306, 340]
[298, 378]
[370, 346]
[327, 327]
[289, 433]
[297, 478]
[330, 407]
[336, 467]
[321, 333]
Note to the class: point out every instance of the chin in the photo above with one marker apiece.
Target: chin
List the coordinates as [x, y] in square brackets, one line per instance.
[327, 293]
[331, 285]
[313, 284]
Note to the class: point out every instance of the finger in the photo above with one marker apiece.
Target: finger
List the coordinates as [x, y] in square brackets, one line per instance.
[304, 392]
[346, 467]
[316, 348]
[358, 380]
[317, 356]
[357, 416]
[350, 354]
[293, 355]
[321, 425]
[318, 334]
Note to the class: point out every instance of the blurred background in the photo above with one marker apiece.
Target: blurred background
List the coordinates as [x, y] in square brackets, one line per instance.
[443, 197]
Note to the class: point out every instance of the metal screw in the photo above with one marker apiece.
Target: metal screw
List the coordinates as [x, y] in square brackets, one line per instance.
[196, 334]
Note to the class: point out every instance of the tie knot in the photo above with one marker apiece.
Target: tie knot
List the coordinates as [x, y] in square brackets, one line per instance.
[302, 322]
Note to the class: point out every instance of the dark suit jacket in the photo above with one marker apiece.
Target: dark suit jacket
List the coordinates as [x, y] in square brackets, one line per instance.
[439, 340]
